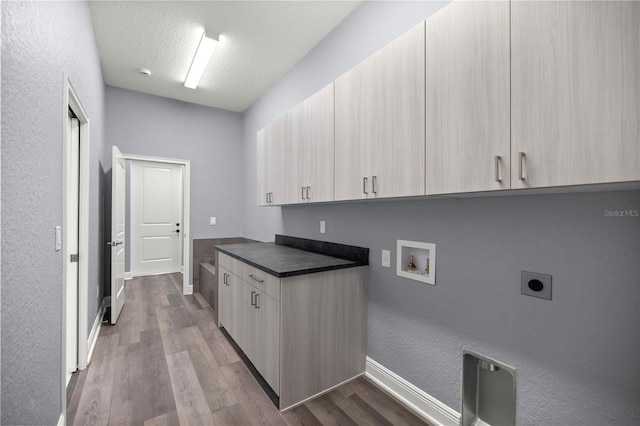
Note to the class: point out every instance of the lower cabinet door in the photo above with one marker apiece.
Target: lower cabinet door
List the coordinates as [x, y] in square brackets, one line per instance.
[225, 304]
[245, 314]
[267, 339]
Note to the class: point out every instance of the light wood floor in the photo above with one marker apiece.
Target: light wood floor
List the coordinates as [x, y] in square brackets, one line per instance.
[166, 363]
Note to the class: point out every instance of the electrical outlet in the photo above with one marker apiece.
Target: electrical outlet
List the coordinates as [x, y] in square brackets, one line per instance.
[212, 221]
[386, 258]
[322, 227]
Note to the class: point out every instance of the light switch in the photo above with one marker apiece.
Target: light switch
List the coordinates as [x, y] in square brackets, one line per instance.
[386, 258]
[322, 227]
[58, 238]
[212, 220]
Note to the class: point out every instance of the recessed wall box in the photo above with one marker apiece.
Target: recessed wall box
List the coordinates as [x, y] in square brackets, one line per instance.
[488, 391]
[416, 261]
[535, 284]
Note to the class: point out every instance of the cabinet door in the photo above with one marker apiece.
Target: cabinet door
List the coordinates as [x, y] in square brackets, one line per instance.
[298, 139]
[318, 149]
[228, 302]
[468, 105]
[398, 100]
[280, 172]
[267, 339]
[575, 87]
[353, 124]
[264, 165]
[246, 320]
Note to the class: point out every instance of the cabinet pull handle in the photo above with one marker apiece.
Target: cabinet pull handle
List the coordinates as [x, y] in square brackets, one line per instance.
[520, 165]
[254, 278]
[257, 305]
[364, 185]
[253, 293]
[308, 188]
[373, 184]
[498, 158]
[271, 197]
[302, 196]
[266, 196]
[224, 279]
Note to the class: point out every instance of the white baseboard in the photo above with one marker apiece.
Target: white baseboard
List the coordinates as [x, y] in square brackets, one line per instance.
[61, 420]
[413, 397]
[95, 330]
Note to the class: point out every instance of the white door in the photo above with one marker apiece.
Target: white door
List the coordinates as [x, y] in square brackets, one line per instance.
[71, 243]
[156, 218]
[118, 175]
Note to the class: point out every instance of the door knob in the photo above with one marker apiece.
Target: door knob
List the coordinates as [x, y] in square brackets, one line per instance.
[114, 243]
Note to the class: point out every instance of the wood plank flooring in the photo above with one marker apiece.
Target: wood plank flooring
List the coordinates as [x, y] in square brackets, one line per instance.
[166, 363]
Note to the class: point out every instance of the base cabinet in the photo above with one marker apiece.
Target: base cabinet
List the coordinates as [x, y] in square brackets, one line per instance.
[304, 336]
[251, 317]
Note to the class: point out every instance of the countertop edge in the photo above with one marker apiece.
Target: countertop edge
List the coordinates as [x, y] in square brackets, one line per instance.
[354, 264]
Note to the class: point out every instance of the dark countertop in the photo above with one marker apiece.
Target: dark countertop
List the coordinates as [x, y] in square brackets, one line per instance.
[284, 261]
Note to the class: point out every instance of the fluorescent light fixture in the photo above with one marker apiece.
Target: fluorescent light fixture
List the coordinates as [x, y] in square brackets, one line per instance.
[205, 49]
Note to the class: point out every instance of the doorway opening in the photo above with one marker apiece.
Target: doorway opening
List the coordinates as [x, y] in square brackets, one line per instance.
[150, 221]
[75, 237]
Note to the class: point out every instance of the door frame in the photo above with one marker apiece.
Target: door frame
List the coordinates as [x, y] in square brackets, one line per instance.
[187, 287]
[72, 100]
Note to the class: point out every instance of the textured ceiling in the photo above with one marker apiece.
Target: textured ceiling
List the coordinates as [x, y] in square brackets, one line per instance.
[259, 42]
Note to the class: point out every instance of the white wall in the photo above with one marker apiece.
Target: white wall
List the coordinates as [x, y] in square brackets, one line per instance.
[577, 356]
[40, 42]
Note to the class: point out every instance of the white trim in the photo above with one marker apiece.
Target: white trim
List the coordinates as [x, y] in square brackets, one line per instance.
[95, 330]
[154, 159]
[71, 100]
[187, 286]
[410, 395]
[61, 420]
[128, 276]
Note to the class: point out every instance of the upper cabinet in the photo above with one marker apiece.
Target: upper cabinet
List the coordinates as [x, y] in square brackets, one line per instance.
[274, 185]
[353, 142]
[263, 157]
[483, 96]
[311, 142]
[379, 124]
[575, 88]
[467, 98]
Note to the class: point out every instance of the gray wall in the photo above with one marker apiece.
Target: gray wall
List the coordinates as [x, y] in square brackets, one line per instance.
[40, 42]
[210, 138]
[577, 356]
